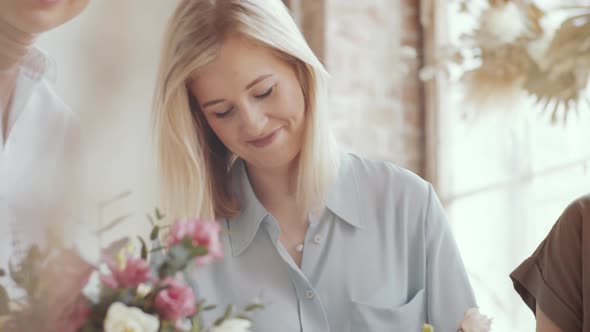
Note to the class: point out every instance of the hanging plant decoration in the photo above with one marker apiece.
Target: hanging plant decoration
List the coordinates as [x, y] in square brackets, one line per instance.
[560, 79]
[514, 53]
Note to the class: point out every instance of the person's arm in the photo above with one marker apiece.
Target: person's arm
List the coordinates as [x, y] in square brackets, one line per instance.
[550, 282]
[449, 292]
[544, 324]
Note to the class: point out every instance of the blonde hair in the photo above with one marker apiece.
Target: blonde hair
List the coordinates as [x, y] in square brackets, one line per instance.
[193, 163]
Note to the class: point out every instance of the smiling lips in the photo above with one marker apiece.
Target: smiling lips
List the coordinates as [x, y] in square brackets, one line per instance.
[265, 140]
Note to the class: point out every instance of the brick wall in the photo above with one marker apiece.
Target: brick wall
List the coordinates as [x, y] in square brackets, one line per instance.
[376, 93]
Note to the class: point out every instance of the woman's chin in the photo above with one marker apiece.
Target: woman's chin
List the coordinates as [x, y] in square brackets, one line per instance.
[271, 161]
[41, 22]
[47, 15]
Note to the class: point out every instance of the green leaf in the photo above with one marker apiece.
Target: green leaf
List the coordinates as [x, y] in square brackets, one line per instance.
[167, 327]
[243, 317]
[254, 306]
[196, 324]
[186, 242]
[179, 255]
[151, 220]
[159, 215]
[113, 224]
[144, 252]
[227, 312]
[194, 250]
[226, 315]
[218, 321]
[199, 305]
[199, 251]
[155, 232]
[165, 270]
[209, 307]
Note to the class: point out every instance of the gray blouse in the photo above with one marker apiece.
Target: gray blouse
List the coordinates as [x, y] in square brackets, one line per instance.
[381, 258]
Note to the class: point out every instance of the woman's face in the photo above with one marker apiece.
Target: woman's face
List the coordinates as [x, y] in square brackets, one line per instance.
[36, 16]
[253, 101]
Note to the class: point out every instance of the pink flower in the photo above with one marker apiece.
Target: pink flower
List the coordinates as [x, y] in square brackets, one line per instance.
[202, 233]
[176, 301]
[130, 272]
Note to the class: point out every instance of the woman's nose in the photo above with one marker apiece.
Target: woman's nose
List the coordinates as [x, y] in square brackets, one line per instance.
[253, 121]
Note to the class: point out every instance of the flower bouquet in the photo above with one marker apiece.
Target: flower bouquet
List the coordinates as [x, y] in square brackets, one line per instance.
[135, 290]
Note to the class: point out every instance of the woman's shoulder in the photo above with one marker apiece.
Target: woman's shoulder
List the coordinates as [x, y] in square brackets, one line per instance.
[579, 208]
[574, 217]
[48, 108]
[382, 176]
[566, 234]
[37, 77]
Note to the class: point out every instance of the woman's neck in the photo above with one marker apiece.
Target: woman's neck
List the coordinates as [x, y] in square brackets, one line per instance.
[14, 46]
[274, 187]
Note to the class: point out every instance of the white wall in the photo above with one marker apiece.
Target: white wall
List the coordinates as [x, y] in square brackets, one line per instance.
[106, 64]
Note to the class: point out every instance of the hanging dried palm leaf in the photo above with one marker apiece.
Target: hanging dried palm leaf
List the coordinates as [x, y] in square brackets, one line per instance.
[562, 76]
[505, 29]
[500, 75]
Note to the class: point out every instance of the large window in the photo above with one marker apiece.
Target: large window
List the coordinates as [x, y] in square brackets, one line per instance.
[505, 176]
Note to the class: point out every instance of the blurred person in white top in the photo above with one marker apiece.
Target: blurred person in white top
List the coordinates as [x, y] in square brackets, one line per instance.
[39, 134]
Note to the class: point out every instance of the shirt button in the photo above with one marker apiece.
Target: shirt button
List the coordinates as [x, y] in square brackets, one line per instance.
[317, 239]
[309, 294]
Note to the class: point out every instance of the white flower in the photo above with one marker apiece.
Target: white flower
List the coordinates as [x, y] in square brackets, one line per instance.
[121, 318]
[475, 322]
[504, 22]
[233, 325]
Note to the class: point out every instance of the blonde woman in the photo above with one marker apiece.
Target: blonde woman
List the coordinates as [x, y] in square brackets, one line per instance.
[327, 240]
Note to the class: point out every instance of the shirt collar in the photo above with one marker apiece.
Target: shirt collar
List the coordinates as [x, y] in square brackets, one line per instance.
[34, 68]
[37, 65]
[344, 198]
[243, 228]
[340, 199]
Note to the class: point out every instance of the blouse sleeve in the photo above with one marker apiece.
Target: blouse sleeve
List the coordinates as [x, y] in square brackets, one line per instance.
[552, 277]
[449, 292]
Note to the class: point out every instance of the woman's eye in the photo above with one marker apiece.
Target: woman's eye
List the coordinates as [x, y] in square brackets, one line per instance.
[223, 114]
[266, 93]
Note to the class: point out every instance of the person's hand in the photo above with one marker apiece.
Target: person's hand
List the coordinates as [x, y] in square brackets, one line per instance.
[63, 280]
[474, 321]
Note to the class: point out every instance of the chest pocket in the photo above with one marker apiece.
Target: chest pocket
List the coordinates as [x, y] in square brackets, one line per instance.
[367, 317]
